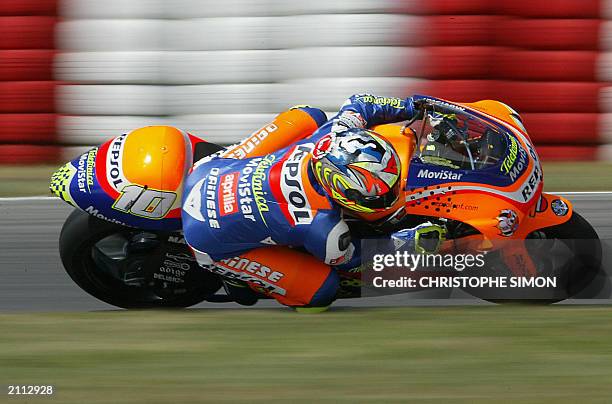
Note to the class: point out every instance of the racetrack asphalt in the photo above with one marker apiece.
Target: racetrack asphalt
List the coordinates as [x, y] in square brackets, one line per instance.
[33, 279]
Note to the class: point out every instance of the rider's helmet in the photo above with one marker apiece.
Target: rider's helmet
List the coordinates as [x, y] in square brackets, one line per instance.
[358, 169]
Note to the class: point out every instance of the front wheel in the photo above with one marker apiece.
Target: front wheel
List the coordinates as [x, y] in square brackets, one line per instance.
[583, 274]
[569, 253]
[131, 268]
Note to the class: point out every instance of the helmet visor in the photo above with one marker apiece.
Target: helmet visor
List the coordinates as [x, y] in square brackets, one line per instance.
[377, 202]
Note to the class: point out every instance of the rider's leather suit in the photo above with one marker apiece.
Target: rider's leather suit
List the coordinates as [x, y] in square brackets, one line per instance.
[240, 202]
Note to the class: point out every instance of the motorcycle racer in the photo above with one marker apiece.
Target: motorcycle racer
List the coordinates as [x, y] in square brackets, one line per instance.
[275, 221]
[469, 168]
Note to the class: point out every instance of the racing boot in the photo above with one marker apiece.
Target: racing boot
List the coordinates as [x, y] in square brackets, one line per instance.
[240, 292]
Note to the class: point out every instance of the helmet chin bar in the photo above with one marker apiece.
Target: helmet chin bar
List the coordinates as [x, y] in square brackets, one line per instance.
[384, 201]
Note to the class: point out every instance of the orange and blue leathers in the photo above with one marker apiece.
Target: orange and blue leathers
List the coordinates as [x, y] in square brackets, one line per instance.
[261, 193]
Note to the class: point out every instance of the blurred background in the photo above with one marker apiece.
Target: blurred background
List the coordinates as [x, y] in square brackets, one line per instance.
[74, 73]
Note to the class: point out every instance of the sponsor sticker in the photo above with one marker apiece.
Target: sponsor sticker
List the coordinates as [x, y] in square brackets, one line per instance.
[246, 146]
[323, 146]
[439, 175]
[228, 192]
[391, 101]
[114, 170]
[268, 241]
[193, 202]
[532, 183]
[253, 267]
[85, 170]
[251, 271]
[211, 200]
[197, 208]
[245, 192]
[177, 240]
[145, 202]
[507, 222]
[515, 162]
[94, 212]
[257, 180]
[292, 186]
[559, 207]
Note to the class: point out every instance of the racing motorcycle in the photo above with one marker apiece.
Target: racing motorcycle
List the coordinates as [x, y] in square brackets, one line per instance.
[469, 167]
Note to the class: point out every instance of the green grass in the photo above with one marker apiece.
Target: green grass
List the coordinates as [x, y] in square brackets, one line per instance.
[555, 354]
[574, 176]
[25, 180]
[568, 176]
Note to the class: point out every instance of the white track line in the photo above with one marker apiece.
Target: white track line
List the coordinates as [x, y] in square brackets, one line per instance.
[582, 193]
[29, 198]
[48, 198]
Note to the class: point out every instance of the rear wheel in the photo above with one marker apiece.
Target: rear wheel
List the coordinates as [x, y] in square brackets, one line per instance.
[131, 268]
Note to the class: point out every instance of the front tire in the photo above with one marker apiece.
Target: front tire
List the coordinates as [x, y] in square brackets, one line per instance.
[570, 252]
[585, 276]
[130, 268]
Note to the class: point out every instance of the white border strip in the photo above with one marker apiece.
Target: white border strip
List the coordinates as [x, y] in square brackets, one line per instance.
[580, 192]
[48, 198]
[29, 198]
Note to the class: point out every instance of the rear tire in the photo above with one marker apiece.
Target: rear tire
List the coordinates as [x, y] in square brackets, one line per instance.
[81, 257]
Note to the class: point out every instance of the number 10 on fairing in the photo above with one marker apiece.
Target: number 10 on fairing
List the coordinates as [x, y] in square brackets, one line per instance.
[144, 202]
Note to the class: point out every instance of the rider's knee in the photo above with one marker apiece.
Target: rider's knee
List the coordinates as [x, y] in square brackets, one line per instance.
[326, 293]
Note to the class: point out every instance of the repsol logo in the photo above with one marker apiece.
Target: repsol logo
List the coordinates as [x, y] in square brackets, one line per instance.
[439, 175]
[532, 183]
[113, 162]
[292, 186]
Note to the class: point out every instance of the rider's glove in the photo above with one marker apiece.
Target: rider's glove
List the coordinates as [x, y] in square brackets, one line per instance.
[425, 238]
[348, 120]
[418, 107]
